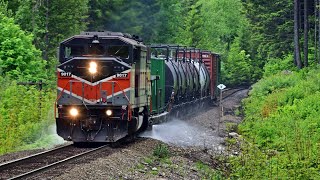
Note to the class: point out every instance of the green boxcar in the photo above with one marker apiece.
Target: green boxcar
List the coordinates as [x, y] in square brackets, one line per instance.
[157, 85]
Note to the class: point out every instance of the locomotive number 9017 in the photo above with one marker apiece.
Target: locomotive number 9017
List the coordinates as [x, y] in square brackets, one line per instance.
[65, 74]
[122, 75]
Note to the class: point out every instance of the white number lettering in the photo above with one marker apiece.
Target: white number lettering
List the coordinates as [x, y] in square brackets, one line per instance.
[65, 74]
[122, 75]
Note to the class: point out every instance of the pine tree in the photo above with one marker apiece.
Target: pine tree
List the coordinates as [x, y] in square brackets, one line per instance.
[306, 32]
[52, 21]
[296, 35]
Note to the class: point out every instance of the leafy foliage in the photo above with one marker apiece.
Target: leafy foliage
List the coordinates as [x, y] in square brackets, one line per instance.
[282, 127]
[227, 31]
[207, 172]
[238, 68]
[223, 21]
[22, 121]
[272, 30]
[51, 21]
[25, 112]
[276, 65]
[18, 56]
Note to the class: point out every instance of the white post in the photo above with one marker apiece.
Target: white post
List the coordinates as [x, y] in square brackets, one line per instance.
[221, 87]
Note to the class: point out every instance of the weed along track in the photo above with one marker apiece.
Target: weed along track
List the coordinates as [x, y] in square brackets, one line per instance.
[33, 165]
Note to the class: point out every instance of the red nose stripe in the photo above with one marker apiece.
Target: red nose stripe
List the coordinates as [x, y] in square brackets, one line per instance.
[92, 92]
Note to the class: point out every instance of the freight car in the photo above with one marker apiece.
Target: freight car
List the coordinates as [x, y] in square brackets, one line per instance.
[110, 85]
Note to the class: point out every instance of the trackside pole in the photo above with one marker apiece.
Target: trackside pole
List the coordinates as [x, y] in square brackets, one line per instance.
[221, 87]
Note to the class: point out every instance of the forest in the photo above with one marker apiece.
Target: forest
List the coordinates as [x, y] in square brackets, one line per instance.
[272, 45]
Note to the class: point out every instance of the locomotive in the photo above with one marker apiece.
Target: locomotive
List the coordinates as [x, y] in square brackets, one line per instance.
[110, 85]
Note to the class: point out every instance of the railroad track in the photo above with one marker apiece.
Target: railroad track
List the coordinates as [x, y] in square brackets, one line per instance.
[231, 91]
[38, 163]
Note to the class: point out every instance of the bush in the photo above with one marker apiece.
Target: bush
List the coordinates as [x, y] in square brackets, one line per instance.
[206, 172]
[282, 128]
[19, 59]
[237, 66]
[276, 65]
[161, 151]
[22, 121]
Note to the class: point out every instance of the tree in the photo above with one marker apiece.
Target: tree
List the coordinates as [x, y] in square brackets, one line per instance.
[155, 21]
[318, 4]
[237, 68]
[4, 8]
[173, 22]
[306, 32]
[19, 59]
[297, 55]
[272, 32]
[52, 21]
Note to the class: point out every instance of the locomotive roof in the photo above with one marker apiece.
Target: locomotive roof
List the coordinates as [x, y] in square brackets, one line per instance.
[127, 38]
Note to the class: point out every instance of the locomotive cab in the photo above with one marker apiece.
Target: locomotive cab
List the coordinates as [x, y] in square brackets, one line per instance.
[102, 87]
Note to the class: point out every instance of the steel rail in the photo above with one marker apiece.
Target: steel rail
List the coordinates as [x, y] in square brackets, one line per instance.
[37, 170]
[61, 162]
[235, 90]
[8, 164]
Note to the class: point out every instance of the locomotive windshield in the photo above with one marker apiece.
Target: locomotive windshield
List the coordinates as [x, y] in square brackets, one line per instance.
[96, 50]
[119, 51]
[88, 47]
[73, 51]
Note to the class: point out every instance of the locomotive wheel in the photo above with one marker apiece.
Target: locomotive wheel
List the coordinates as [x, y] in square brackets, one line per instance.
[145, 122]
[132, 125]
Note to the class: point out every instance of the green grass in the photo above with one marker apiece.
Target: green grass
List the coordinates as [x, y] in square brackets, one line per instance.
[281, 128]
[161, 151]
[207, 172]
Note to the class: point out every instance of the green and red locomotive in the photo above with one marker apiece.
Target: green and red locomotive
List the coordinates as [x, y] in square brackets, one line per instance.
[111, 85]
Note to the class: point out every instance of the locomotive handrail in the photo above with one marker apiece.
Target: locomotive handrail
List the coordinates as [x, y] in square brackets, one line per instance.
[58, 97]
[115, 82]
[129, 105]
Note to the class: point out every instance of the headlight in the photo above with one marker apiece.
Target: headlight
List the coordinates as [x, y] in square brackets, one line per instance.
[93, 67]
[109, 112]
[74, 112]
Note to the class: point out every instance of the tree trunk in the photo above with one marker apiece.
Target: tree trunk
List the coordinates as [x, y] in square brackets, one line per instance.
[33, 4]
[315, 32]
[296, 34]
[306, 32]
[47, 32]
[318, 27]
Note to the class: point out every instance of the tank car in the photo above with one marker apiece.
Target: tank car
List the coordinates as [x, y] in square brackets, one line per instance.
[182, 79]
